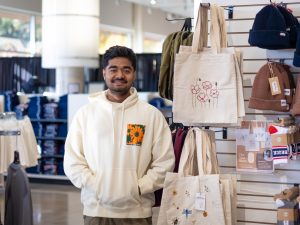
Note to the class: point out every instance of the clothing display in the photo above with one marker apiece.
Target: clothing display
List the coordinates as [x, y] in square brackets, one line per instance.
[169, 50]
[215, 84]
[63, 107]
[115, 156]
[25, 143]
[186, 191]
[18, 203]
[277, 24]
[35, 107]
[263, 96]
[50, 110]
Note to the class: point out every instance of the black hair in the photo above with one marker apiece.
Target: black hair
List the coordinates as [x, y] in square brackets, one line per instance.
[119, 51]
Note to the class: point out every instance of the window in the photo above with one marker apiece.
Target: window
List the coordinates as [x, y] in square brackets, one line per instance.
[153, 43]
[110, 38]
[15, 33]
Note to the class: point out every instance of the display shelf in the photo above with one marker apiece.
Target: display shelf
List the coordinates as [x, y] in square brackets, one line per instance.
[49, 120]
[51, 138]
[52, 156]
[47, 176]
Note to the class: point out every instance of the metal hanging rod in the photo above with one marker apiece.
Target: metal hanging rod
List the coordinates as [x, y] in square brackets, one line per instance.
[10, 132]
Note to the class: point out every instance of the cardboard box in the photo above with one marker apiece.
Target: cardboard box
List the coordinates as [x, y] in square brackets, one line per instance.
[287, 216]
[282, 139]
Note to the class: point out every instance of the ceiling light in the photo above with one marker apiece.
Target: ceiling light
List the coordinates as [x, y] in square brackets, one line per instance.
[152, 2]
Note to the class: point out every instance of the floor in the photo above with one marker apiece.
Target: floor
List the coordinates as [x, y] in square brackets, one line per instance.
[55, 204]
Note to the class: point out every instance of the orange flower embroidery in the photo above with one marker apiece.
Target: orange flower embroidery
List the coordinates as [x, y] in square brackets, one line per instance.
[135, 134]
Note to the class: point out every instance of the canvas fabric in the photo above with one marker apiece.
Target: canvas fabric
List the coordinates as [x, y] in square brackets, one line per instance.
[197, 174]
[206, 79]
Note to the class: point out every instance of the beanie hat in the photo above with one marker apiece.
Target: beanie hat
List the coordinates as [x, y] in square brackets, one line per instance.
[296, 103]
[261, 96]
[296, 60]
[292, 24]
[269, 29]
[289, 94]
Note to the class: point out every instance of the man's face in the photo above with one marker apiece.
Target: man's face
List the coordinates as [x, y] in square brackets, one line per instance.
[119, 75]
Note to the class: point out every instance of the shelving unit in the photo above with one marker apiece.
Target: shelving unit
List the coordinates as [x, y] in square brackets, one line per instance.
[50, 165]
[51, 140]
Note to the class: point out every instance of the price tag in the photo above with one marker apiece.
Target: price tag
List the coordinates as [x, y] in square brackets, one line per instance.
[283, 102]
[274, 85]
[287, 92]
[200, 201]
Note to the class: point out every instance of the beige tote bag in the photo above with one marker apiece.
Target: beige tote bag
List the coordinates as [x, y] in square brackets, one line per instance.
[190, 197]
[208, 82]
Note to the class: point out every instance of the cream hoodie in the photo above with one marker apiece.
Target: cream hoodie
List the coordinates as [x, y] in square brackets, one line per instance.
[112, 150]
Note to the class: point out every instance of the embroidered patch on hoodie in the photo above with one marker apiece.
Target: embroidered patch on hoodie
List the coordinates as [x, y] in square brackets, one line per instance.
[135, 134]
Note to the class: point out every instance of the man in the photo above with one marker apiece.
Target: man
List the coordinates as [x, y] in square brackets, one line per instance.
[118, 148]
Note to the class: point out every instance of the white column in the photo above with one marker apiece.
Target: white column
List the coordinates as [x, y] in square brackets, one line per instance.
[137, 21]
[70, 41]
[69, 80]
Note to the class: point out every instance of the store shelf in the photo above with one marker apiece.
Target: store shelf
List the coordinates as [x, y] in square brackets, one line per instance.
[51, 138]
[50, 120]
[46, 176]
[52, 156]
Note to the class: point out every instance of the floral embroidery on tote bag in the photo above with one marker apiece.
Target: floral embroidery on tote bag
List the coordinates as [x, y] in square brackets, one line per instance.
[204, 93]
[135, 134]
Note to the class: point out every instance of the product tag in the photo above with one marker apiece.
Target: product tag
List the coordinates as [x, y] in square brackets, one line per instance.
[200, 201]
[287, 92]
[283, 102]
[259, 133]
[251, 143]
[274, 85]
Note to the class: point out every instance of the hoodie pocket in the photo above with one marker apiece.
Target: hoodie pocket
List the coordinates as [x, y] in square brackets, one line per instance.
[120, 189]
[89, 195]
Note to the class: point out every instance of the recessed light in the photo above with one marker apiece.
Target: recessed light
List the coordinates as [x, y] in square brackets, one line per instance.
[152, 2]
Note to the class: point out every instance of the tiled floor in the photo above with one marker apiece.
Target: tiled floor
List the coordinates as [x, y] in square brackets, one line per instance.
[53, 204]
[56, 205]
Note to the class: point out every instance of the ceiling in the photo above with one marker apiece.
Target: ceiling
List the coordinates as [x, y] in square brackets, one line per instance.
[179, 8]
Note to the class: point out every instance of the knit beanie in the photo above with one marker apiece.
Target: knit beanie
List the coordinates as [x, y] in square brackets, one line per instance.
[269, 29]
[261, 96]
[289, 95]
[296, 102]
[296, 60]
[292, 24]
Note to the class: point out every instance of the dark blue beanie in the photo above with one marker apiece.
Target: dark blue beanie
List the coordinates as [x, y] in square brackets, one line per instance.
[292, 25]
[269, 29]
[296, 60]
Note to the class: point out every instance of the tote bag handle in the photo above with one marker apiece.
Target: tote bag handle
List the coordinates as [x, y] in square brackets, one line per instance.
[196, 156]
[218, 33]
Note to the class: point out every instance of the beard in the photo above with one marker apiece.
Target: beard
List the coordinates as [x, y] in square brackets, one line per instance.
[123, 89]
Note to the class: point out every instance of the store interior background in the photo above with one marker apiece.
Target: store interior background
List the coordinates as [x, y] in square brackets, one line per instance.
[60, 204]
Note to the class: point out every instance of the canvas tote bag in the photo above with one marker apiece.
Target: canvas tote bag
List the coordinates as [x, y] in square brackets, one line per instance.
[189, 196]
[208, 82]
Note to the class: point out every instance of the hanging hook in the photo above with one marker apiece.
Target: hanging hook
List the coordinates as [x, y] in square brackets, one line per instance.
[271, 2]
